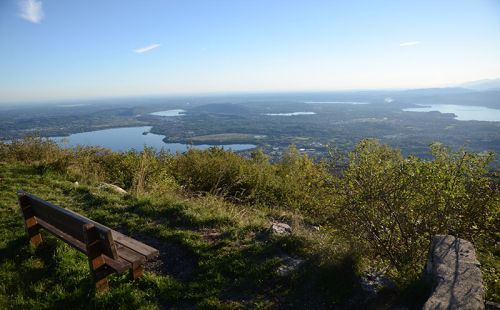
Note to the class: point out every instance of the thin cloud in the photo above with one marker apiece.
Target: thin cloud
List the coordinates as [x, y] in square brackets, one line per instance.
[410, 43]
[146, 48]
[31, 10]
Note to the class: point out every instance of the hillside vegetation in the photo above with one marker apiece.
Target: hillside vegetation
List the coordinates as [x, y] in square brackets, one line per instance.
[209, 213]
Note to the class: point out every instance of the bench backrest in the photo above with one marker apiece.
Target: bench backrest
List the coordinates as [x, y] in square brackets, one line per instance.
[68, 221]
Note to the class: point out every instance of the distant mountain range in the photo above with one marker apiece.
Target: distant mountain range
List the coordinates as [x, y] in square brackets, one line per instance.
[486, 84]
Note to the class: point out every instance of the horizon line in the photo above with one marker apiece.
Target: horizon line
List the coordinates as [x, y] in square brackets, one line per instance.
[237, 92]
[214, 94]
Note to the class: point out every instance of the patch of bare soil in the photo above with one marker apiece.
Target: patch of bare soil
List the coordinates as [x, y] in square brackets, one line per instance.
[212, 235]
[174, 260]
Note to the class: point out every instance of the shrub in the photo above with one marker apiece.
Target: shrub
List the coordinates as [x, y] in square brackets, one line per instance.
[214, 170]
[139, 172]
[391, 205]
[44, 154]
[296, 182]
[306, 185]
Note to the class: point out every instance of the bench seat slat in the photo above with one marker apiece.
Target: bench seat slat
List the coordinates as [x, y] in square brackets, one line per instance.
[129, 255]
[137, 246]
[118, 265]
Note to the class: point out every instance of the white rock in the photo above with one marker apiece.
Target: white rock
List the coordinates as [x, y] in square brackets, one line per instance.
[112, 187]
[280, 228]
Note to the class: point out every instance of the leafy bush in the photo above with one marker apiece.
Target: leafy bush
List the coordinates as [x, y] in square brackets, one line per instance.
[391, 205]
[42, 153]
[306, 184]
[296, 182]
[215, 171]
[139, 172]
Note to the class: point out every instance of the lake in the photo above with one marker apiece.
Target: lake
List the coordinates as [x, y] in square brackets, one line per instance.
[127, 138]
[462, 112]
[176, 112]
[290, 114]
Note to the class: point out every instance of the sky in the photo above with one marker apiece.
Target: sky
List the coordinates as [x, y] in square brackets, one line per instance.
[56, 50]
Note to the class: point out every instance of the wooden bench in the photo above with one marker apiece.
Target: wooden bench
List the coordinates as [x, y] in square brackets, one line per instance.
[108, 251]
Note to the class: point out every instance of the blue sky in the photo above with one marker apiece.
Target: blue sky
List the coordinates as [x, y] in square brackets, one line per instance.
[53, 49]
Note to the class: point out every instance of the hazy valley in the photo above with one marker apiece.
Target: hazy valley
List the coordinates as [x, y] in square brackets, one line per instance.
[314, 122]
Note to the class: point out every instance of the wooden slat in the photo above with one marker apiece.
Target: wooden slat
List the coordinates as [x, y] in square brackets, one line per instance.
[137, 246]
[118, 265]
[108, 244]
[87, 220]
[67, 222]
[133, 257]
[123, 240]
[77, 244]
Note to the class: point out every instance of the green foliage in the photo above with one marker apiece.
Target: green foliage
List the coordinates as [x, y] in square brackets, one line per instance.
[215, 171]
[306, 184]
[42, 153]
[386, 205]
[140, 172]
[392, 205]
[296, 182]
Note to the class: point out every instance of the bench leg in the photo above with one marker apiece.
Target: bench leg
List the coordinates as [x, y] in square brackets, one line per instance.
[36, 240]
[99, 273]
[97, 265]
[136, 272]
[33, 230]
[30, 223]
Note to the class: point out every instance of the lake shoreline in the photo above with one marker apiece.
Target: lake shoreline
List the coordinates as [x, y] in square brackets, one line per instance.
[460, 112]
[123, 139]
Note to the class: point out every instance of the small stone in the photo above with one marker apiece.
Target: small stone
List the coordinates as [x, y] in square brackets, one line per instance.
[372, 282]
[280, 228]
[289, 264]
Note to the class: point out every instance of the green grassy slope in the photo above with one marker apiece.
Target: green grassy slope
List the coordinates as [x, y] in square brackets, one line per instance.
[209, 213]
[213, 254]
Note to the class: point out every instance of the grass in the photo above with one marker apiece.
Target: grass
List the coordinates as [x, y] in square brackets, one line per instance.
[209, 213]
[213, 254]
